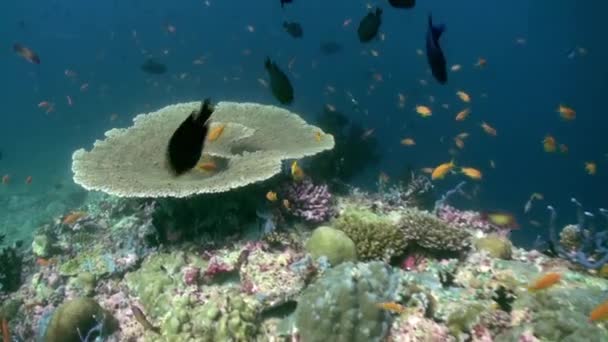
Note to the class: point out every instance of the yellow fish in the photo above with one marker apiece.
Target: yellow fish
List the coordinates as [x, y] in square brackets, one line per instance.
[207, 166]
[440, 171]
[463, 96]
[286, 204]
[424, 111]
[296, 171]
[549, 144]
[271, 196]
[408, 142]
[591, 168]
[566, 112]
[318, 136]
[471, 173]
[215, 132]
[392, 307]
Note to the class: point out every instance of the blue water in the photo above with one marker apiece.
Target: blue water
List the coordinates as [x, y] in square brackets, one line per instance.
[106, 41]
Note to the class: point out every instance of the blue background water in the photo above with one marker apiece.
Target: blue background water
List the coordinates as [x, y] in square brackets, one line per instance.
[524, 84]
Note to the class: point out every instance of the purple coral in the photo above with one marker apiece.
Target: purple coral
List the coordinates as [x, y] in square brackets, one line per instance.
[465, 219]
[309, 201]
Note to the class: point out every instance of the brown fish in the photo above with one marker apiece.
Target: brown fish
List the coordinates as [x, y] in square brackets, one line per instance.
[26, 53]
[141, 318]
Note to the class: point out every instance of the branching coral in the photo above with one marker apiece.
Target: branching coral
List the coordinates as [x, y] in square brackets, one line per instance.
[309, 201]
[429, 232]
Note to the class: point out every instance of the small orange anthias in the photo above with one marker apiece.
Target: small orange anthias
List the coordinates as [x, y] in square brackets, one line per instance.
[546, 281]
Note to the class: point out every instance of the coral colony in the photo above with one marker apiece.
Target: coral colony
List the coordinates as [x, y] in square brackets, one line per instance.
[130, 264]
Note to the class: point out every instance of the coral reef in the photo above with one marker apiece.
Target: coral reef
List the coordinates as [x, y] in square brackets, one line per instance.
[310, 202]
[375, 237]
[255, 140]
[431, 233]
[343, 305]
[497, 246]
[80, 319]
[10, 268]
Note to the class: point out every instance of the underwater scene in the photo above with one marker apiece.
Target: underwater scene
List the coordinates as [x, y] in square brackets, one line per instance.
[303, 170]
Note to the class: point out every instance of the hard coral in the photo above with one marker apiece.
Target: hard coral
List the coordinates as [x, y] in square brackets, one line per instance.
[309, 201]
[375, 237]
[464, 219]
[429, 232]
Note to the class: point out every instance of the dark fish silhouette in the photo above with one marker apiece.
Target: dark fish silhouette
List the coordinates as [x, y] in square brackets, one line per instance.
[402, 3]
[283, 2]
[186, 143]
[27, 53]
[368, 27]
[153, 67]
[294, 29]
[329, 48]
[279, 83]
[433, 52]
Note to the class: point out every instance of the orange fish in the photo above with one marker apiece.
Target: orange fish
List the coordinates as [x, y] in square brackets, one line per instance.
[318, 136]
[471, 173]
[463, 114]
[215, 132]
[566, 112]
[207, 166]
[271, 196]
[481, 62]
[590, 167]
[6, 333]
[392, 307]
[6, 179]
[459, 143]
[28, 180]
[488, 129]
[599, 313]
[545, 281]
[44, 262]
[72, 217]
[549, 144]
[440, 171]
[26, 53]
[408, 142]
[296, 171]
[462, 135]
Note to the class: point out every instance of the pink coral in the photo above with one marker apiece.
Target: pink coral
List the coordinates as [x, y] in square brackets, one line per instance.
[309, 201]
[191, 274]
[415, 328]
[465, 219]
[216, 266]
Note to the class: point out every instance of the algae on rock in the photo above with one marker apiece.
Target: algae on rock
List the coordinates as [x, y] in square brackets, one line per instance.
[332, 243]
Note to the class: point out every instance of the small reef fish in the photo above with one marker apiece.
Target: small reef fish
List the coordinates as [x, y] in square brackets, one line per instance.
[534, 196]
[153, 67]
[566, 112]
[6, 179]
[44, 262]
[440, 171]
[271, 196]
[369, 25]
[463, 96]
[463, 135]
[402, 3]
[141, 318]
[408, 142]
[318, 136]
[471, 173]
[488, 129]
[28, 180]
[186, 144]
[434, 54]
[392, 307]
[207, 166]
[563, 148]
[546, 281]
[215, 132]
[590, 168]
[279, 83]
[600, 312]
[6, 333]
[293, 28]
[481, 62]
[26, 53]
[296, 171]
[286, 204]
[549, 144]
[424, 111]
[456, 67]
[501, 219]
[72, 217]
[463, 114]
[459, 142]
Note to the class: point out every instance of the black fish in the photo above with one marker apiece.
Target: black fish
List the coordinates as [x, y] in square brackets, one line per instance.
[433, 52]
[186, 143]
[329, 48]
[279, 83]
[402, 3]
[151, 66]
[283, 2]
[294, 29]
[368, 27]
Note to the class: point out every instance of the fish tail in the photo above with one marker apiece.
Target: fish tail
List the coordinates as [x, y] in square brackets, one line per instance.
[267, 63]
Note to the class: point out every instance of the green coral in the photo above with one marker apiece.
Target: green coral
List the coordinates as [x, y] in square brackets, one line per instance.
[332, 243]
[78, 316]
[342, 305]
[462, 321]
[496, 246]
[375, 237]
[95, 261]
[429, 232]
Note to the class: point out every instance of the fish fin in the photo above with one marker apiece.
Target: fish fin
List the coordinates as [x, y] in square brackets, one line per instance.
[202, 116]
[436, 29]
[268, 64]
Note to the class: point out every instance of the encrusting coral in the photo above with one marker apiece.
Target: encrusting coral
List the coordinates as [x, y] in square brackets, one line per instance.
[255, 140]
